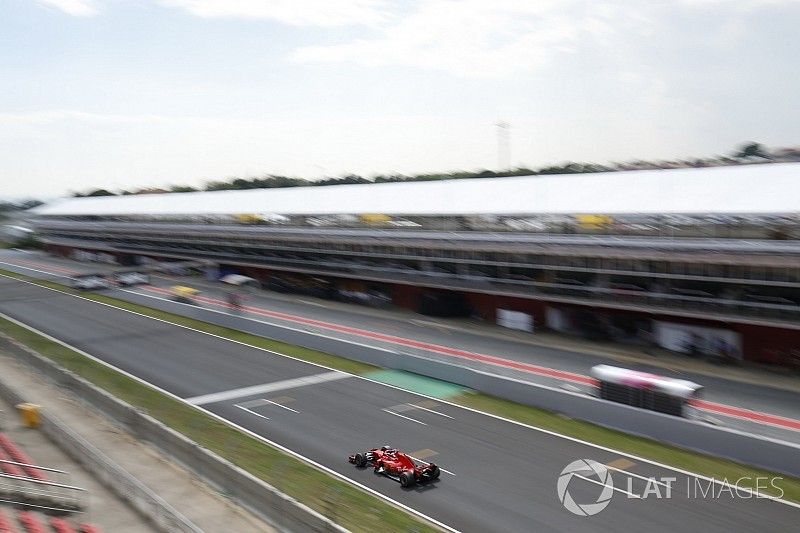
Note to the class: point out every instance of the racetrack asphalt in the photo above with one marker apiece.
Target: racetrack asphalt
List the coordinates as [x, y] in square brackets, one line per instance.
[503, 474]
[748, 407]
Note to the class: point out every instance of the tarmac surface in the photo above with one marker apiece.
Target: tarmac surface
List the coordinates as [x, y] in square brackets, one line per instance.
[500, 476]
[746, 399]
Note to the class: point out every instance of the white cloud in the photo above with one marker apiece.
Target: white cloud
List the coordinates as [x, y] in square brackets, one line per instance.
[60, 115]
[478, 38]
[736, 3]
[291, 12]
[76, 8]
[474, 38]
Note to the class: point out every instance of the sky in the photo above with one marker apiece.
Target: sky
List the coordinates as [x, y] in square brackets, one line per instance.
[127, 94]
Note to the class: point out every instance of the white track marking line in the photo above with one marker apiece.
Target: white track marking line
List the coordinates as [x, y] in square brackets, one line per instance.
[35, 270]
[267, 387]
[427, 463]
[596, 482]
[659, 464]
[404, 416]
[251, 412]
[309, 302]
[281, 406]
[415, 406]
[648, 479]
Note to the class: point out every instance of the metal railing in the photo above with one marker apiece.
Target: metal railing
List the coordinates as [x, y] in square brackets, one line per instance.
[743, 244]
[41, 494]
[142, 498]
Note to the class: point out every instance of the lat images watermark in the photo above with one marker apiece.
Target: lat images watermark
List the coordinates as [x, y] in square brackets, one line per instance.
[581, 468]
[597, 478]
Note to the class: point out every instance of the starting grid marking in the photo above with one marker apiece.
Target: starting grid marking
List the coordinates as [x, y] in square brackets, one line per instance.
[403, 416]
[264, 401]
[398, 410]
[267, 387]
[423, 406]
[251, 411]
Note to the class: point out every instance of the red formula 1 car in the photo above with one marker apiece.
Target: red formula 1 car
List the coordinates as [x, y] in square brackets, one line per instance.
[396, 465]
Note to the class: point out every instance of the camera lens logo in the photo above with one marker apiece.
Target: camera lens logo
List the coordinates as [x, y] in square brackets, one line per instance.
[589, 470]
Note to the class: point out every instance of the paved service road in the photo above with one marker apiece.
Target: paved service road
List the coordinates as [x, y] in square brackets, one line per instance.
[502, 476]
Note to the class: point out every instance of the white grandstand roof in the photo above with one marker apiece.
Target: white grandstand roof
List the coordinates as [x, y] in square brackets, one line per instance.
[761, 189]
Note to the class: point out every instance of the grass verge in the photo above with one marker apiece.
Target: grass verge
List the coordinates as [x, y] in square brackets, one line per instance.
[695, 462]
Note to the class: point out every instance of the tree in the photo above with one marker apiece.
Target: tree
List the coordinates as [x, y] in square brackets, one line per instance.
[350, 179]
[745, 152]
[182, 188]
[751, 150]
[30, 204]
[101, 192]
[96, 192]
[5, 207]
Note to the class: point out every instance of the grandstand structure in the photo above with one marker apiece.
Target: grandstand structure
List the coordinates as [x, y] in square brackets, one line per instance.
[33, 499]
[701, 260]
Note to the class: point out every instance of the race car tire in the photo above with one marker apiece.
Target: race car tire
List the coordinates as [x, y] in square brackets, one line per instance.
[360, 460]
[407, 479]
[435, 472]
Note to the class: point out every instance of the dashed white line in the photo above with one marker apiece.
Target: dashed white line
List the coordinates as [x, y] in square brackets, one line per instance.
[404, 416]
[596, 482]
[415, 406]
[251, 412]
[309, 302]
[281, 406]
[427, 463]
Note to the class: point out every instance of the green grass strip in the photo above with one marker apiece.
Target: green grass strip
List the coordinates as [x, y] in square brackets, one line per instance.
[646, 448]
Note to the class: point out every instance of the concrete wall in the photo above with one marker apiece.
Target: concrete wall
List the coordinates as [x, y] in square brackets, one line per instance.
[163, 516]
[282, 511]
[766, 453]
